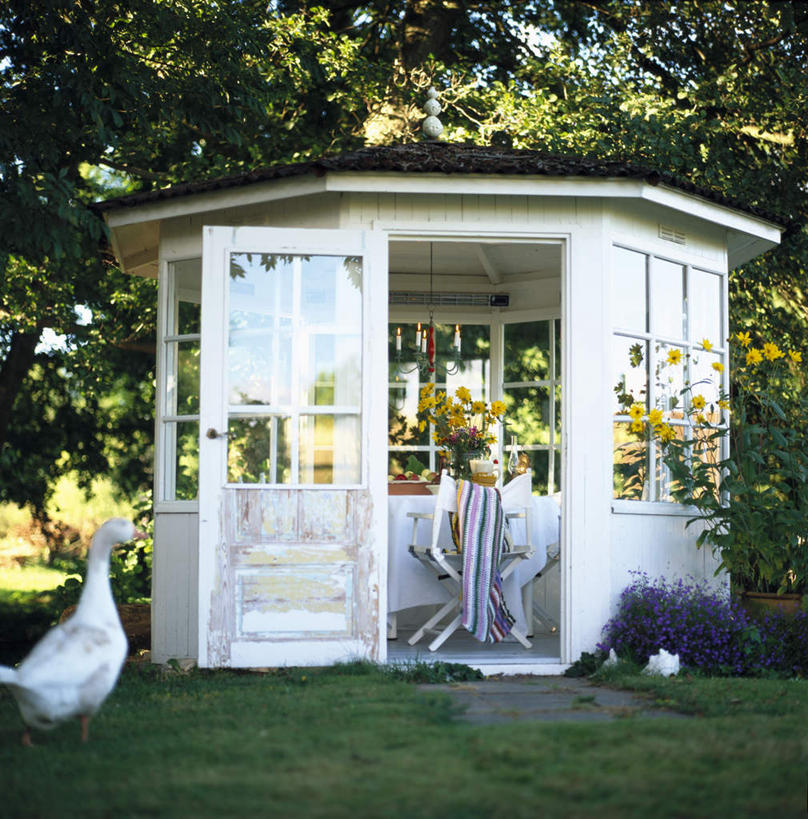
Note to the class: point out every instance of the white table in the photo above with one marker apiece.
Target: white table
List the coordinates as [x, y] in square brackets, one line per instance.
[410, 583]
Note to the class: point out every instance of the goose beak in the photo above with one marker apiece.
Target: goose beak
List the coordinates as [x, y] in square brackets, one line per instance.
[138, 535]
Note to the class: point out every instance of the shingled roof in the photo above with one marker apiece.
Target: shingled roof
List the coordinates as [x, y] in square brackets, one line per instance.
[446, 158]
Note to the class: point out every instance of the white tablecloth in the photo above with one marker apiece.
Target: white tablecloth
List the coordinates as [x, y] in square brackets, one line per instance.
[410, 583]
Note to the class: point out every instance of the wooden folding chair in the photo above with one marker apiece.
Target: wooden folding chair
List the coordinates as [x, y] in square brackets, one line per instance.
[442, 556]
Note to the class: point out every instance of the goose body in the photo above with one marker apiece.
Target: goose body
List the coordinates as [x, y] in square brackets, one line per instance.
[74, 667]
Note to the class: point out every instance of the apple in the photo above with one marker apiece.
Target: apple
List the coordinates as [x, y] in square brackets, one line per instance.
[400, 477]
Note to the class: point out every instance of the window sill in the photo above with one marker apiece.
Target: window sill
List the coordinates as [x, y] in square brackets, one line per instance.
[176, 507]
[658, 508]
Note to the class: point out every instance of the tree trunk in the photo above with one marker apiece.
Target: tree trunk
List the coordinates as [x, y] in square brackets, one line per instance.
[12, 373]
[426, 29]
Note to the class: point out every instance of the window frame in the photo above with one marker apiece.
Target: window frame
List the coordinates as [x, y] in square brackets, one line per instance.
[652, 504]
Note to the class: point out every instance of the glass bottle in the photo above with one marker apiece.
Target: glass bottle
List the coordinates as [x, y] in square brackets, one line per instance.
[513, 459]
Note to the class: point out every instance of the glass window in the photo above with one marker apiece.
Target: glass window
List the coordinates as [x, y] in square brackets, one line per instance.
[295, 345]
[668, 302]
[410, 449]
[629, 289]
[664, 368]
[706, 319]
[179, 422]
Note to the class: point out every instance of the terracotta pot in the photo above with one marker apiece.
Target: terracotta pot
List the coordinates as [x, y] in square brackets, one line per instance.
[756, 602]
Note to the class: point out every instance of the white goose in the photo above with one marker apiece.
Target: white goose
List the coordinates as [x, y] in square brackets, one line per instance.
[74, 667]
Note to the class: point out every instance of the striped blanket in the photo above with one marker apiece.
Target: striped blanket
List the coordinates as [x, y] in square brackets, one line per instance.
[480, 531]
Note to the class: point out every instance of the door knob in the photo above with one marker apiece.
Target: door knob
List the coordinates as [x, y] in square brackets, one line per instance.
[211, 433]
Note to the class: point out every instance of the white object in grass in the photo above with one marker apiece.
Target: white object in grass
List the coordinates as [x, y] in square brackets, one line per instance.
[663, 664]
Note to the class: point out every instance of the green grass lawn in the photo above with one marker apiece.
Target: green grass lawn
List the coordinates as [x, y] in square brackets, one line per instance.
[356, 742]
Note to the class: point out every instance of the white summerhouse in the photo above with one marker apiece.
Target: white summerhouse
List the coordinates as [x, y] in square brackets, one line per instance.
[283, 406]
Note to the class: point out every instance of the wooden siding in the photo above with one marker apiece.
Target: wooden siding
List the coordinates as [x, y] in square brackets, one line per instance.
[174, 586]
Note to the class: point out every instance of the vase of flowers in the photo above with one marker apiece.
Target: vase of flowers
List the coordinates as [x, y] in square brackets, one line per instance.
[461, 425]
[741, 463]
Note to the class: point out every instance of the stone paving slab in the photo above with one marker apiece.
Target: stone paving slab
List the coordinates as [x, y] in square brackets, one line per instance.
[545, 699]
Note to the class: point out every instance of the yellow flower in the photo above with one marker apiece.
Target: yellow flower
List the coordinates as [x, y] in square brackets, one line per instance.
[744, 339]
[718, 366]
[498, 408]
[700, 419]
[421, 426]
[636, 411]
[772, 351]
[463, 394]
[478, 407]
[674, 356]
[655, 417]
[698, 402]
[707, 344]
[724, 404]
[637, 426]
[795, 356]
[753, 356]
[665, 432]
[427, 389]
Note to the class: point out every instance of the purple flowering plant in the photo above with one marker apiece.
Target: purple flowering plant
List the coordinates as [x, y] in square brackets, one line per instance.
[707, 628]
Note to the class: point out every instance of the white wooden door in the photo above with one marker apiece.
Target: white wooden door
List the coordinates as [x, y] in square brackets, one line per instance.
[292, 488]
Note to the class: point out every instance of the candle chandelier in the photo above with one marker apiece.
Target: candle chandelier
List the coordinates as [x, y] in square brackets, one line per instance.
[424, 350]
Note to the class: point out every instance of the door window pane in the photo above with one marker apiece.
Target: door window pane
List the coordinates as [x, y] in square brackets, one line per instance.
[629, 290]
[668, 309]
[295, 342]
[259, 450]
[329, 449]
[181, 463]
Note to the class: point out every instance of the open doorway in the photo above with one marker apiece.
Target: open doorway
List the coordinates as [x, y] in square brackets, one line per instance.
[496, 309]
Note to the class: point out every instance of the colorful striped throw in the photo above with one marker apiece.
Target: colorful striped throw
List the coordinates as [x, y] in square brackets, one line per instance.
[480, 529]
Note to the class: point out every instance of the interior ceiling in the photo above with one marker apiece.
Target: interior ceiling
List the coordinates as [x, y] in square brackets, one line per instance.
[498, 262]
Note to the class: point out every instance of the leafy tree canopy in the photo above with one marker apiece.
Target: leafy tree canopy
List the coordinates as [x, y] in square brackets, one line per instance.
[100, 96]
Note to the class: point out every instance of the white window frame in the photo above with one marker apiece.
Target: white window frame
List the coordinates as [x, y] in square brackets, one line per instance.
[652, 504]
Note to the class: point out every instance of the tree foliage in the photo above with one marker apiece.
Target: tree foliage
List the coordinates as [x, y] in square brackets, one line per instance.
[101, 96]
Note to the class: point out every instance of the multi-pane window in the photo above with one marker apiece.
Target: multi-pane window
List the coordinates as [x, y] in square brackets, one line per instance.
[668, 347]
[531, 390]
[522, 367]
[294, 369]
[179, 419]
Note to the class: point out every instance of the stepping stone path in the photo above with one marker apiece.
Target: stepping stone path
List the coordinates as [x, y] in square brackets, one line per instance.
[545, 699]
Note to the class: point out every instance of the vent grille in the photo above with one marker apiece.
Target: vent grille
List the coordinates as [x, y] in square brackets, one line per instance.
[440, 299]
[670, 234]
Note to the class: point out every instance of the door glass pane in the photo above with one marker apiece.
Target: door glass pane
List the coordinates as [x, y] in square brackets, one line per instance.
[705, 307]
[259, 450]
[295, 343]
[668, 309]
[329, 449]
[629, 290]
[527, 351]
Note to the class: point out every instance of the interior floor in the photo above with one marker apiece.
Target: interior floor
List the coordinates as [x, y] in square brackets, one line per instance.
[461, 647]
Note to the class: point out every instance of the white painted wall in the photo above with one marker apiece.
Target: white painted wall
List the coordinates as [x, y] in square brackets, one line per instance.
[174, 586]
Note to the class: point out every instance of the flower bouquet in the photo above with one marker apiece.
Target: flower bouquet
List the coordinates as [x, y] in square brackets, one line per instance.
[460, 425]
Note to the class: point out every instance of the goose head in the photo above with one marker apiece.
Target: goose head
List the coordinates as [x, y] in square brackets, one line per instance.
[113, 532]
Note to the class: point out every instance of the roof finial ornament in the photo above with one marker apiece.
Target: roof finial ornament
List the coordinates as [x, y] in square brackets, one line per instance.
[432, 126]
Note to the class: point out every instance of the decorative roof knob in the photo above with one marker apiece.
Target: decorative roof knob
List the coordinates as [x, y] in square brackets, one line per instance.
[432, 126]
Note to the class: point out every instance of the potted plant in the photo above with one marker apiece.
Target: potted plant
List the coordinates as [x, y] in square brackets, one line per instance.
[741, 463]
